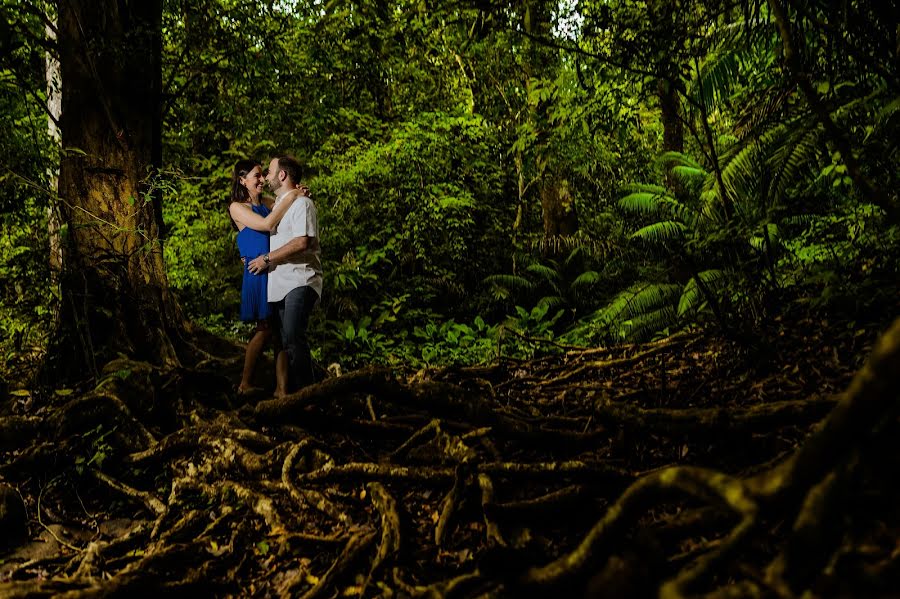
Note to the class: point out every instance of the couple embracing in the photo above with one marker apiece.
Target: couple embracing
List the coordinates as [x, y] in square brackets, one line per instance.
[278, 240]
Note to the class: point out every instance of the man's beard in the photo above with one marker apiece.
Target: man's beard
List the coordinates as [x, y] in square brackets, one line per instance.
[274, 187]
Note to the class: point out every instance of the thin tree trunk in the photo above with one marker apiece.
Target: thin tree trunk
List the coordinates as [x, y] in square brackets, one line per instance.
[673, 131]
[54, 110]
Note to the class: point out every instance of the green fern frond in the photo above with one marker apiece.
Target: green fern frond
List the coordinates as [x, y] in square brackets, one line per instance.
[662, 231]
[548, 273]
[673, 158]
[691, 296]
[758, 242]
[798, 220]
[504, 284]
[680, 212]
[794, 160]
[741, 174]
[509, 280]
[551, 301]
[688, 174]
[576, 253]
[613, 310]
[642, 202]
[643, 188]
[643, 327]
[651, 297]
[585, 279]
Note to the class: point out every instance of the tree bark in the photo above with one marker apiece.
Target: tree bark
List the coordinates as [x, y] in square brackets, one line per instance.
[558, 212]
[115, 295]
[673, 131]
[558, 209]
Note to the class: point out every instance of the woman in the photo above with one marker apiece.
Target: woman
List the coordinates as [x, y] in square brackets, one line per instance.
[254, 217]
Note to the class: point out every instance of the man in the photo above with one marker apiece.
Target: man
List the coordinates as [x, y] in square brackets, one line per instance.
[295, 271]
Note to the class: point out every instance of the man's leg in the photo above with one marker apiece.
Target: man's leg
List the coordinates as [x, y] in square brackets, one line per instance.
[298, 304]
[276, 323]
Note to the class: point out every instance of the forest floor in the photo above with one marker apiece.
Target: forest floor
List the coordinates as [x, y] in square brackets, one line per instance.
[690, 465]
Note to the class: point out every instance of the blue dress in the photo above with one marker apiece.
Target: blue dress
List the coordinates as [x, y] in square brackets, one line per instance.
[254, 297]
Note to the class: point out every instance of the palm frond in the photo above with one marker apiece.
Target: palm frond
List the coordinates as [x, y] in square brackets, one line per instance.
[644, 188]
[762, 108]
[643, 202]
[717, 78]
[680, 211]
[673, 158]
[660, 232]
[689, 174]
[793, 158]
[741, 173]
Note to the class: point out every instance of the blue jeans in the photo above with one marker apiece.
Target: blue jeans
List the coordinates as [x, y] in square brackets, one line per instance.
[292, 317]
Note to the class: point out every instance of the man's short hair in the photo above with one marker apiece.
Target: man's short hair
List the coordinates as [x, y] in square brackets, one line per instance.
[291, 167]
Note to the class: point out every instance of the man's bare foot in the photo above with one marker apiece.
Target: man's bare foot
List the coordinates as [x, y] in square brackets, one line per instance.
[279, 393]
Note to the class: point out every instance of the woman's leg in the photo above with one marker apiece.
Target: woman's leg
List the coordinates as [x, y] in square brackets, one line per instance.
[254, 350]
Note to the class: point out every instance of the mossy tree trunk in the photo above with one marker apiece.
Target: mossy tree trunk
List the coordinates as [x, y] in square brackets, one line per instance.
[558, 213]
[115, 296]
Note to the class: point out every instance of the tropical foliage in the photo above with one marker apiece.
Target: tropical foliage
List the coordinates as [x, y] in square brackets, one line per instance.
[717, 179]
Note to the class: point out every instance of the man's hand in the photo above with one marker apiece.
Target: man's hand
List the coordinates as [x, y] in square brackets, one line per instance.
[258, 265]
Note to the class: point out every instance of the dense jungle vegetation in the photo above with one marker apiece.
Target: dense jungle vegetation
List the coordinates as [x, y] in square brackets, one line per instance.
[585, 172]
[569, 241]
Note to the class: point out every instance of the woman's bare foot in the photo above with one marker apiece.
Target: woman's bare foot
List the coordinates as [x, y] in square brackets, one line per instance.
[243, 389]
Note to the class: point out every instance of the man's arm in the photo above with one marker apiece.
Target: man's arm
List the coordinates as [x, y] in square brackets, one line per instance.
[297, 245]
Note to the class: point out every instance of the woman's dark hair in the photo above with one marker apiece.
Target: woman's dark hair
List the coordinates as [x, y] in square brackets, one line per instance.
[242, 168]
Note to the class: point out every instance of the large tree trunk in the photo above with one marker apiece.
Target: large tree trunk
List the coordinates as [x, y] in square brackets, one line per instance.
[558, 209]
[115, 296]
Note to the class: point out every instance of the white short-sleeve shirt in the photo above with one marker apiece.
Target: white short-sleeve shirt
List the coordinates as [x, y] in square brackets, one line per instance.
[301, 269]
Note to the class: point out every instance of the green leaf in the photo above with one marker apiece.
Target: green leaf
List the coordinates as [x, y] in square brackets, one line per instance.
[586, 278]
[666, 230]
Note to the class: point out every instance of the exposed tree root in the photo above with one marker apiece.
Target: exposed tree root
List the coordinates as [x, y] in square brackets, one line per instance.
[468, 482]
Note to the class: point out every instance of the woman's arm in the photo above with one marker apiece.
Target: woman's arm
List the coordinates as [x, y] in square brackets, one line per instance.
[244, 215]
